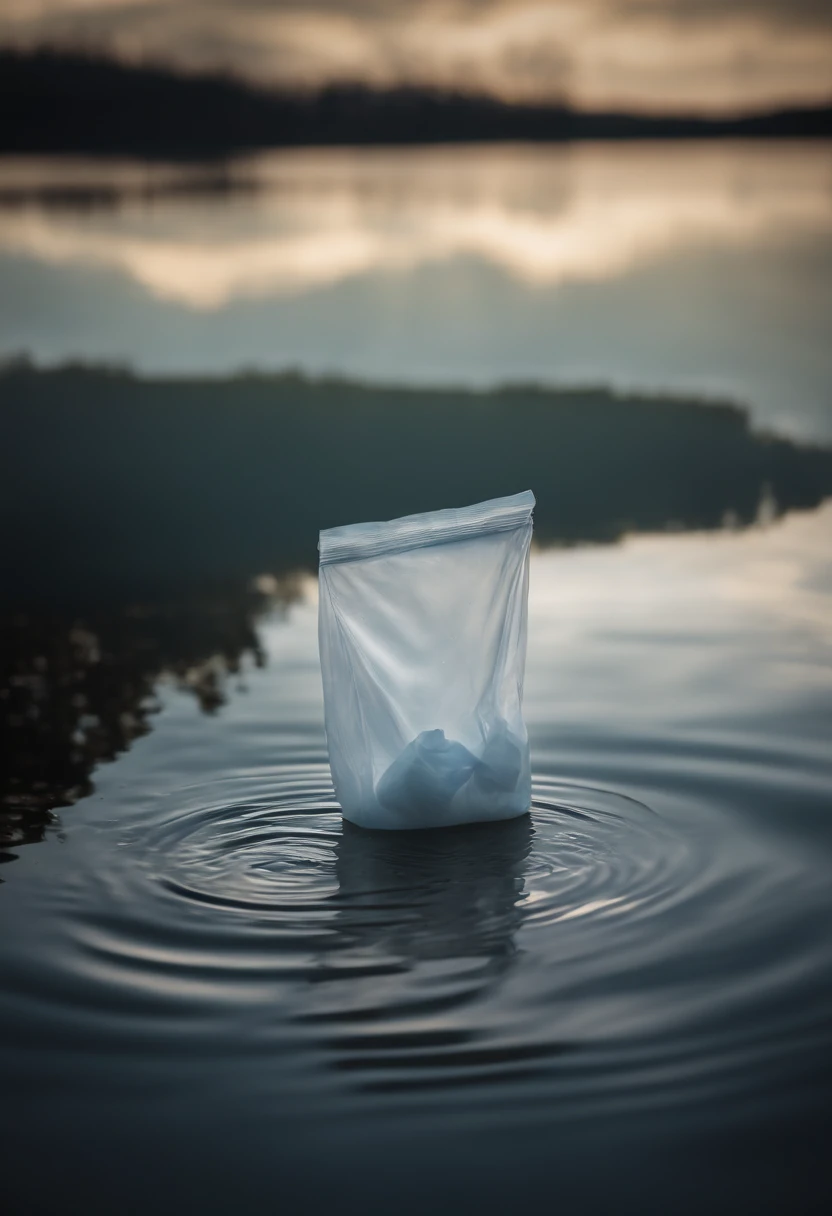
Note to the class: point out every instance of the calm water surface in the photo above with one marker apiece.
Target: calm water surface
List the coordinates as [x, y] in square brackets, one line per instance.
[695, 267]
[216, 995]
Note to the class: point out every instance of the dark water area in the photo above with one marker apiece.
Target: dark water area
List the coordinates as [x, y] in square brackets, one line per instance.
[214, 994]
[78, 685]
[215, 991]
[119, 482]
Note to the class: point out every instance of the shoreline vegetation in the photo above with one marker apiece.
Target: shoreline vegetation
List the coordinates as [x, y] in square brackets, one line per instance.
[54, 101]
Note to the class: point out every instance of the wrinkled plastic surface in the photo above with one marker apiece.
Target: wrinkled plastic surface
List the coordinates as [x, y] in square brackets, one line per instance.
[422, 629]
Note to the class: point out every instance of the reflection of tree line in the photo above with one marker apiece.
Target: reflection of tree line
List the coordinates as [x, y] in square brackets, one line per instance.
[82, 197]
[76, 688]
[117, 492]
[117, 484]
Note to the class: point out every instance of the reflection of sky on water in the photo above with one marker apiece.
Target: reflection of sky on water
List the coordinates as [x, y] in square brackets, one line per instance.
[699, 267]
[724, 634]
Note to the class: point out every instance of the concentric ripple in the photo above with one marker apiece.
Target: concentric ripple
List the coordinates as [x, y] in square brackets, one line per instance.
[289, 863]
[595, 948]
[270, 859]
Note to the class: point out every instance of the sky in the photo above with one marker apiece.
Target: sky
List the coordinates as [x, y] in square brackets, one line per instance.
[693, 55]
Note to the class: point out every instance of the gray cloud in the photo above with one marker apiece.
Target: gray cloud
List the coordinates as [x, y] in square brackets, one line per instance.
[782, 13]
[707, 54]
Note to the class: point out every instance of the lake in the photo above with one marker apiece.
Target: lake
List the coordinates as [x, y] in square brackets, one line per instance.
[700, 268]
[216, 995]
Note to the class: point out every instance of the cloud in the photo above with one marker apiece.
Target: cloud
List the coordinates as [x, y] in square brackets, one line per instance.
[782, 13]
[325, 217]
[696, 54]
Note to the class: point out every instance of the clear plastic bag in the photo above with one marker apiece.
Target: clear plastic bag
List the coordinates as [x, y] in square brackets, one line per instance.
[422, 630]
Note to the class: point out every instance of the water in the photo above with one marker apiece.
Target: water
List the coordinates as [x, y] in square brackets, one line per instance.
[218, 986]
[704, 268]
[215, 996]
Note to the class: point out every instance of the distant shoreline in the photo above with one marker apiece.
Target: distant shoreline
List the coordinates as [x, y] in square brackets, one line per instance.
[54, 102]
[125, 485]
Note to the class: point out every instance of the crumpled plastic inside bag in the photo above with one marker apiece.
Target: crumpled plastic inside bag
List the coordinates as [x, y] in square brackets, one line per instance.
[432, 771]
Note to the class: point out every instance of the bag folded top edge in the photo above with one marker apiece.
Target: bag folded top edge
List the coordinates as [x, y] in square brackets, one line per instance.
[353, 542]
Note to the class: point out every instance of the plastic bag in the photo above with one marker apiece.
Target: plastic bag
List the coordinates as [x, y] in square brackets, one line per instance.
[422, 630]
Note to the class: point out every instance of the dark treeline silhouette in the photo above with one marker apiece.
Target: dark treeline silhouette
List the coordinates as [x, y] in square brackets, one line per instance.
[135, 514]
[111, 482]
[57, 101]
[77, 687]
